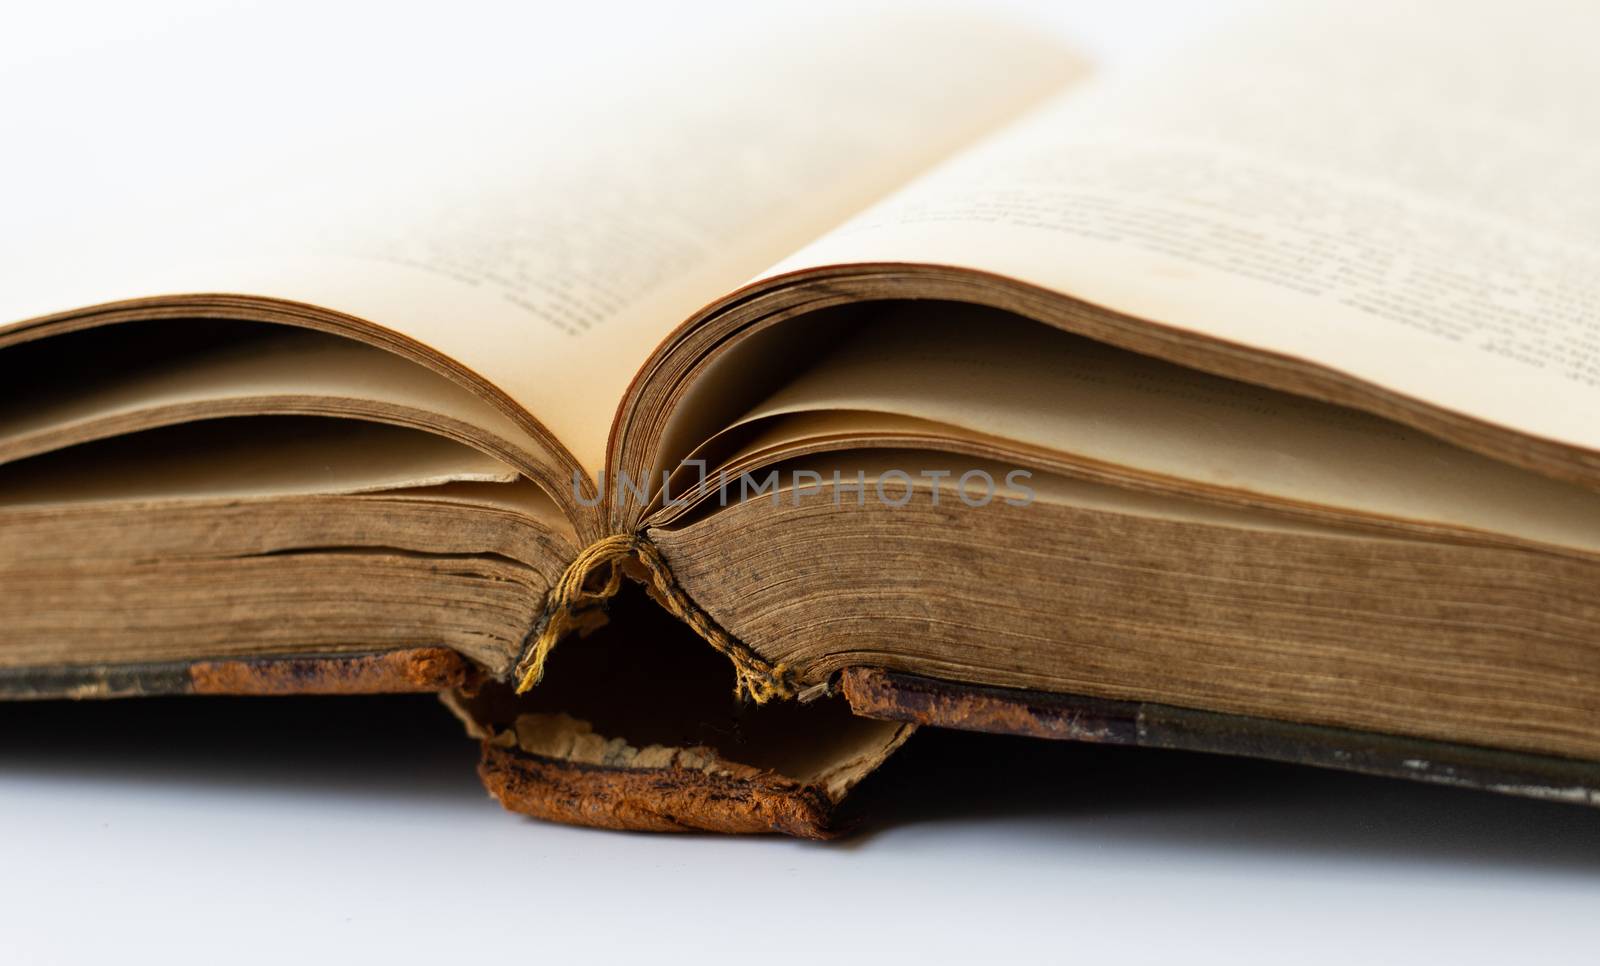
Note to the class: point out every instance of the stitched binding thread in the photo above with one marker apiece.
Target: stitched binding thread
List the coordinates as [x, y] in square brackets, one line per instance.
[577, 594]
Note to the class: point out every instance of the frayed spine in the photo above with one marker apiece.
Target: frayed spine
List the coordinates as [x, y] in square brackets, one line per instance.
[581, 590]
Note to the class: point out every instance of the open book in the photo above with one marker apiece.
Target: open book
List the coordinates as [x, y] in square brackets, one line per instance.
[699, 442]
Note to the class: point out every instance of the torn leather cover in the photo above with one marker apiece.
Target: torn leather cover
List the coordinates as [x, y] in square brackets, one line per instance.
[554, 766]
[411, 671]
[637, 726]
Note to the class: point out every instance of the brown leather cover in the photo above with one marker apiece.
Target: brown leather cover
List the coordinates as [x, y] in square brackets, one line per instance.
[894, 696]
[655, 799]
[693, 789]
[414, 671]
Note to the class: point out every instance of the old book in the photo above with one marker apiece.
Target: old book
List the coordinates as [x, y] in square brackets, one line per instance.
[698, 442]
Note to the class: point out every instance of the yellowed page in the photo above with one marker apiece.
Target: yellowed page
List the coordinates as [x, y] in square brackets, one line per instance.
[247, 459]
[266, 370]
[1405, 192]
[547, 229]
[1075, 401]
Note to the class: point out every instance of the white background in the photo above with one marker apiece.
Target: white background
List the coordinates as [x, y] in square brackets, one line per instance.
[222, 831]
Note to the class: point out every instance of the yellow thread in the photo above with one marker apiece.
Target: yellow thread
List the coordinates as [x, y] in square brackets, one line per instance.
[573, 596]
